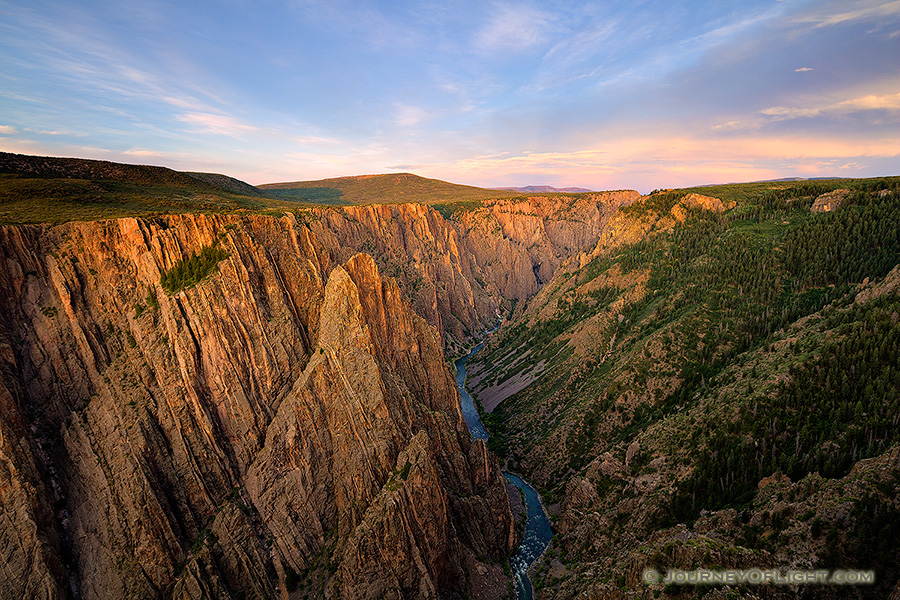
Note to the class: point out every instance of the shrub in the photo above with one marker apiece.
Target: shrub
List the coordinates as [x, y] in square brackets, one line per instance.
[193, 269]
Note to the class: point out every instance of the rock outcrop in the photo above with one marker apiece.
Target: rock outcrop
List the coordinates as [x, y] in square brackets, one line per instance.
[287, 424]
[422, 251]
[699, 201]
[829, 201]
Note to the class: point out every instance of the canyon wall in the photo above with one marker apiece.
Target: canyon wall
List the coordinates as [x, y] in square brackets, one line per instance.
[458, 272]
[286, 424]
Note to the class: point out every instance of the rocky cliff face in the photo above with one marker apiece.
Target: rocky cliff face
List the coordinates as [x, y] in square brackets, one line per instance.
[519, 244]
[286, 425]
[417, 246]
[459, 272]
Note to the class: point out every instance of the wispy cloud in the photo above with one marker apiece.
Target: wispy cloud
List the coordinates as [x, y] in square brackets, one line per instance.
[872, 102]
[56, 132]
[514, 28]
[781, 113]
[217, 123]
[407, 116]
[842, 12]
[7, 130]
[582, 45]
[890, 102]
[144, 153]
[803, 70]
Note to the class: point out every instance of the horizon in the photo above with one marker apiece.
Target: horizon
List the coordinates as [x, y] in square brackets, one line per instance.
[510, 187]
[505, 94]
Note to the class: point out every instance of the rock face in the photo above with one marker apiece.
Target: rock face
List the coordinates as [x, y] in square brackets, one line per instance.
[288, 424]
[699, 201]
[422, 250]
[459, 272]
[520, 244]
[829, 201]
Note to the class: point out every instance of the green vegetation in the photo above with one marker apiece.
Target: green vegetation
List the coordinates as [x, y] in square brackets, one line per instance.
[315, 195]
[753, 192]
[658, 202]
[36, 200]
[152, 300]
[397, 476]
[193, 269]
[690, 305]
[381, 189]
[449, 209]
[833, 410]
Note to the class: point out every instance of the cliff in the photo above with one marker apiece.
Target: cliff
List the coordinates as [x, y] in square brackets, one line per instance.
[519, 244]
[460, 272]
[288, 424]
[285, 426]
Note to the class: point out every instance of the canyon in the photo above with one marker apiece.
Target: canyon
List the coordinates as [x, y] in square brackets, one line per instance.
[286, 426]
[257, 398]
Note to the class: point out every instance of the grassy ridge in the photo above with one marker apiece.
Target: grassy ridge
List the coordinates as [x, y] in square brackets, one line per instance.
[56, 200]
[381, 189]
[37, 189]
[47, 167]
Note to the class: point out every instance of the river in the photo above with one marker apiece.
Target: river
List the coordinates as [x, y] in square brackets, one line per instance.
[537, 525]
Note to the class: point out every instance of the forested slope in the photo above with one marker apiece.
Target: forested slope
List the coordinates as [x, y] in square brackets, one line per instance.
[738, 343]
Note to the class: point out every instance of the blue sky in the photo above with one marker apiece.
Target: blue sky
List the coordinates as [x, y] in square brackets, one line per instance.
[605, 95]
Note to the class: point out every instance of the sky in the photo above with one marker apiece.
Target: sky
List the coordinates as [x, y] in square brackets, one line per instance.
[605, 95]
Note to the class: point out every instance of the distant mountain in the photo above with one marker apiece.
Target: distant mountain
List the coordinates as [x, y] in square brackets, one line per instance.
[546, 189]
[379, 189]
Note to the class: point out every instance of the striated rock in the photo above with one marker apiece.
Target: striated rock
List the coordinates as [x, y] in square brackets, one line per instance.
[421, 250]
[520, 244]
[30, 564]
[458, 273]
[286, 422]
